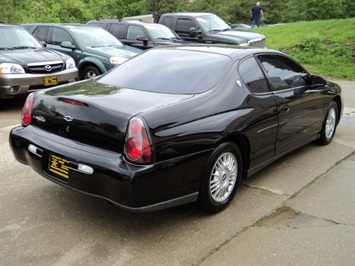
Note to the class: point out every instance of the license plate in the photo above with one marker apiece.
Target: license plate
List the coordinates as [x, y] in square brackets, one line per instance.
[50, 81]
[59, 166]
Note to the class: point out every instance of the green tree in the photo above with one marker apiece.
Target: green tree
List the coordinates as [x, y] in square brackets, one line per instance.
[233, 11]
[324, 9]
[165, 6]
[349, 9]
[12, 11]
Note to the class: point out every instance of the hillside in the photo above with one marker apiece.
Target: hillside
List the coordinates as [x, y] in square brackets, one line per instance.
[325, 47]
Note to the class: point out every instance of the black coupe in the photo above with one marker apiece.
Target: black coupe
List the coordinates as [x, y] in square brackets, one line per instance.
[175, 125]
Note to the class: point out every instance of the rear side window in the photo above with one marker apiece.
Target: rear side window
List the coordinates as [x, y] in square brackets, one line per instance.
[163, 71]
[252, 76]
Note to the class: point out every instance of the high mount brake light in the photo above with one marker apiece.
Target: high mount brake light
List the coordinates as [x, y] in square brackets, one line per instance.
[73, 102]
[26, 116]
[138, 147]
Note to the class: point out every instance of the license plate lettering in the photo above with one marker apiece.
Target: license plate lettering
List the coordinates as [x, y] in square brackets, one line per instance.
[50, 81]
[59, 166]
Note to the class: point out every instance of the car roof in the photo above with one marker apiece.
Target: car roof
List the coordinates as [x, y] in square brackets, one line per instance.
[123, 21]
[235, 52]
[191, 14]
[4, 25]
[63, 25]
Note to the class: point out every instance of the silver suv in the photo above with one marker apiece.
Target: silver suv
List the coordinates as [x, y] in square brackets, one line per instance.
[25, 65]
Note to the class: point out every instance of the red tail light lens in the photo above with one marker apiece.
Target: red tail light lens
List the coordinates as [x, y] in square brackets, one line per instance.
[138, 147]
[26, 116]
[73, 102]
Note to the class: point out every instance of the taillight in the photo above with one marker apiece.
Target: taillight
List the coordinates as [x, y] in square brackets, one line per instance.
[27, 110]
[138, 147]
[73, 102]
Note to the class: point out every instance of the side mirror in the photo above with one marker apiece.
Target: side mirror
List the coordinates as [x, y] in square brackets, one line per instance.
[142, 38]
[192, 32]
[44, 44]
[318, 81]
[67, 44]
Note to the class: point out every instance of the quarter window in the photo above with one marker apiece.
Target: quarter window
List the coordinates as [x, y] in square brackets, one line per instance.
[252, 76]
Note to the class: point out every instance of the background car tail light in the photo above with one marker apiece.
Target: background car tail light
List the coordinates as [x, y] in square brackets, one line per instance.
[27, 110]
[138, 147]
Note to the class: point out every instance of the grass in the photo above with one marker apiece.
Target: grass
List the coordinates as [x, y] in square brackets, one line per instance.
[324, 47]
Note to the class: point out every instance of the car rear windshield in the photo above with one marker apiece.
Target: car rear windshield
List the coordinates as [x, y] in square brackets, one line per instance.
[170, 71]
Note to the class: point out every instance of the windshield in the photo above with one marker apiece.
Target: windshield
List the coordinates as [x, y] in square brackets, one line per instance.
[212, 22]
[170, 71]
[160, 32]
[17, 38]
[94, 37]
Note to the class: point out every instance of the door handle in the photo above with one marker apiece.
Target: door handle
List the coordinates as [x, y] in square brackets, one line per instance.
[285, 108]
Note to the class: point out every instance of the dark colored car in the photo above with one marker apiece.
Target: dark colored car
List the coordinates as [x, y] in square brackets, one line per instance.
[25, 65]
[94, 50]
[139, 34]
[155, 132]
[209, 28]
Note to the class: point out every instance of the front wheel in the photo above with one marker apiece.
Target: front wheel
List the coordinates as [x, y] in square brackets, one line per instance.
[221, 178]
[329, 125]
[90, 72]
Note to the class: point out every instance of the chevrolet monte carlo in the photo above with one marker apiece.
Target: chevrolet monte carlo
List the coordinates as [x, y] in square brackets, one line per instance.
[175, 125]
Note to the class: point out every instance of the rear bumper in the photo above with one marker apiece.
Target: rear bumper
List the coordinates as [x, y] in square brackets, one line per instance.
[24, 83]
[132, 187]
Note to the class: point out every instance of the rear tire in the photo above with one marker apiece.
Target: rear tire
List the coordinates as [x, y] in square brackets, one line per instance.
[330, 124]
[221, 178]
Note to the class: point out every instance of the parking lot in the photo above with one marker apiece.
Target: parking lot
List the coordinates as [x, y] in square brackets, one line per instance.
[299, 210]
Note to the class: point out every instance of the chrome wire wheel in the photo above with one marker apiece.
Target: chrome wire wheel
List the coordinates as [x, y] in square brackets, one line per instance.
[330, 123]
[223, 177]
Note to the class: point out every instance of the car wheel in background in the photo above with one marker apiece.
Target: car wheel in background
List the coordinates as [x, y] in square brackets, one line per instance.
[329, 125]
[90, 72]
[221, 178]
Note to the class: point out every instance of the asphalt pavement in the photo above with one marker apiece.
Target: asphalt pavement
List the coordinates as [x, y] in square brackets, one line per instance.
[315, 226]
